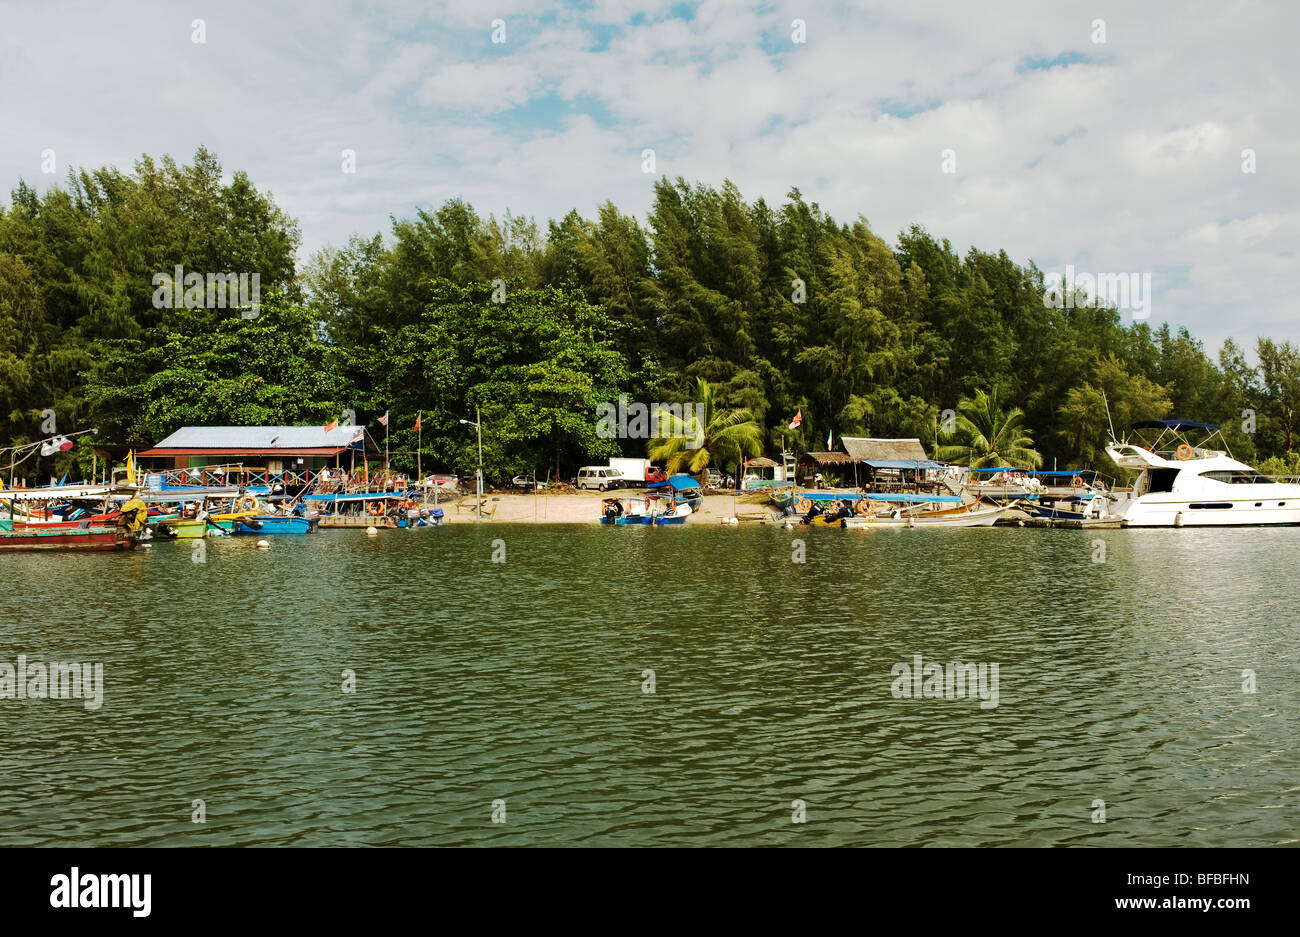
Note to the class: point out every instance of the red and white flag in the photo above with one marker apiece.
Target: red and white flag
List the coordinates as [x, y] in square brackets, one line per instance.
[331, 425]
[383, 420]
[798, 418]
[417, 422]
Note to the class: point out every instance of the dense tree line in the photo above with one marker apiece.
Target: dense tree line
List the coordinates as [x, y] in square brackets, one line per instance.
[779, 309]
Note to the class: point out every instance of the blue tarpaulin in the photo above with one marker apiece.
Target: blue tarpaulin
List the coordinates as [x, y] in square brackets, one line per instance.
[679, 483]
[878, 496]
[909, 464]
[1050, 472]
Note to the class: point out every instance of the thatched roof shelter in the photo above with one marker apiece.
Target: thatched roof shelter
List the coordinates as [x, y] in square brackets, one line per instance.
[866, 449]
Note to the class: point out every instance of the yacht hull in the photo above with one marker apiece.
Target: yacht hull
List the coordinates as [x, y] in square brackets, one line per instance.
[1150, 511]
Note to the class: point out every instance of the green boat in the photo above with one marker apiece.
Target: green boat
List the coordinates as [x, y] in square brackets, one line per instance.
[781, 497]
[187, 529]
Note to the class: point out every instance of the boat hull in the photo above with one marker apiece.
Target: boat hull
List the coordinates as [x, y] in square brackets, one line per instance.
[1148, 511]
[267, 526]
[188, 530]
[98, 539]
[981, 517]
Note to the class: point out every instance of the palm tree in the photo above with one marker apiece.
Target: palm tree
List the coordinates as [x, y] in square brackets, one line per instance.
[711, 436]
[988, 437]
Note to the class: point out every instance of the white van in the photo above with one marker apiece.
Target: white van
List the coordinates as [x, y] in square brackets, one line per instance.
[599, 477]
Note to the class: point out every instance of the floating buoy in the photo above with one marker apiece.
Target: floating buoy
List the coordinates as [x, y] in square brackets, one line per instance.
[263, 545]
[1178, 519]
[371, 531]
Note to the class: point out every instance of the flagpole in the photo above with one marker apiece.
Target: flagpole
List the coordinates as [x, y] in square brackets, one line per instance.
[419, 429]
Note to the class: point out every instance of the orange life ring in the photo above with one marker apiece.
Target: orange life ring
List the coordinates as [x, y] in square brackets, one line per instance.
[1184, 452]
[804, 505]
[1078, 482]
[862, 508]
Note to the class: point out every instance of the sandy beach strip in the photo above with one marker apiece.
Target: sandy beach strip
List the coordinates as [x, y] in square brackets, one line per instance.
[585, 508]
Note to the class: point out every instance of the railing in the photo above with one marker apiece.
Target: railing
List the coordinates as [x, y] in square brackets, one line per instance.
[323, 481]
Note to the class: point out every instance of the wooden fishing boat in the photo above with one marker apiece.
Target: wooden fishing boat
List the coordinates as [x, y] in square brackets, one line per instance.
[622, 512]
[249, 525]
[186, 528]
[973, 516]
[101, 539]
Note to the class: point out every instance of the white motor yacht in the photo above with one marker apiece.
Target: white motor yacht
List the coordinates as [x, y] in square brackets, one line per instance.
[1197, 486]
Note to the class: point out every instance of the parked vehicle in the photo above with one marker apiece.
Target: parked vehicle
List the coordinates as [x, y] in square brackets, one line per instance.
[638, 470]
[713, 478]
[599, 477]
[527, 483]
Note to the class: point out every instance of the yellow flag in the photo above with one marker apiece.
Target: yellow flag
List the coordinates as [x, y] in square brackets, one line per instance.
[130, 467]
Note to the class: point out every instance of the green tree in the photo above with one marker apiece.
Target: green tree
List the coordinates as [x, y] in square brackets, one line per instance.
[986, 436]
[714, 435]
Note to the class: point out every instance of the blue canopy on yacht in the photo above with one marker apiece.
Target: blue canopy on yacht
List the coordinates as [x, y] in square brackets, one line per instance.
[1177, 425]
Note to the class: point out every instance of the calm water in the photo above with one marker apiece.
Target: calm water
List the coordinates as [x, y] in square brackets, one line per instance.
[522, 681]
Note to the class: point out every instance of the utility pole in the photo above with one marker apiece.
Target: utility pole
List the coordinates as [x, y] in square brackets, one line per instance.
[477, 423]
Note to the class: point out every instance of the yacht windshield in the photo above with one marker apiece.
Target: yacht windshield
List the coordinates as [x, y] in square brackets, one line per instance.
[1240, 477]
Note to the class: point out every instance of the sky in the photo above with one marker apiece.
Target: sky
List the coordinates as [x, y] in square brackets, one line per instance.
[1112, 137]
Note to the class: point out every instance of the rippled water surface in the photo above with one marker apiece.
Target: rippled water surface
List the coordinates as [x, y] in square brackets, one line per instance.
[522, 681]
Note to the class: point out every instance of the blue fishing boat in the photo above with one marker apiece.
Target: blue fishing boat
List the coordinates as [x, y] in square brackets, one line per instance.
[615, 512]
[267, 525]
[646, 511]
[685, 488]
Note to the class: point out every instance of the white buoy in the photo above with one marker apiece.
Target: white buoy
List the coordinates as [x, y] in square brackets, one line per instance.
[371, 531]
[1178, 519]
[263, 545]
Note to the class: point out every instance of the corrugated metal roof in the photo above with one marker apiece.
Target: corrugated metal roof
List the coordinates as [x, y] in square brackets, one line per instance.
[215, 451]
[862, 448]
[258, 437]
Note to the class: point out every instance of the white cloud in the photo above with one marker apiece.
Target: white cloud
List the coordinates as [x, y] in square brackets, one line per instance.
[1129, 163]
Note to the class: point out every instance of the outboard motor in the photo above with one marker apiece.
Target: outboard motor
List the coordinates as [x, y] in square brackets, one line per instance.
[813, 510]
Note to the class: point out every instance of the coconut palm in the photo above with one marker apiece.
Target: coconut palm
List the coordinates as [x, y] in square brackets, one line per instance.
[986, 436]
[713, 436]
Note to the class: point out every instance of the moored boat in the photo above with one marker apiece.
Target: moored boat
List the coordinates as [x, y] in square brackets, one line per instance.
[648, 511]
[1185, 485]
[973, 515]
[101, 539]
[250, 525]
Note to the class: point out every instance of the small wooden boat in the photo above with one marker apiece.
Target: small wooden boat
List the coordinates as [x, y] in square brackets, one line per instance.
[101, 539]
[622, 512]
[186, 528]
[249, 525]
[973, 516]
[781, 497]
